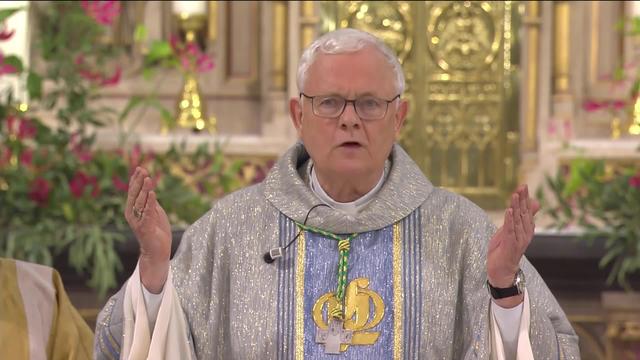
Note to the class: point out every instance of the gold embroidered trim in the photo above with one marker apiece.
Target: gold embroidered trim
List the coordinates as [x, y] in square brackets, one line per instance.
[398, 294]
[300, 298]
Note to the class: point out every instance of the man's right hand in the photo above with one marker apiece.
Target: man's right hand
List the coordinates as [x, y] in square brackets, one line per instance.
[151, 227]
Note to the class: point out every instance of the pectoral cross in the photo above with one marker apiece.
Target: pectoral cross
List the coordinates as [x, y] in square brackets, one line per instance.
[333, 337]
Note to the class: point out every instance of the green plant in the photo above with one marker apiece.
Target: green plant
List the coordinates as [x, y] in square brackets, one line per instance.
[604, 202]
[59, 194]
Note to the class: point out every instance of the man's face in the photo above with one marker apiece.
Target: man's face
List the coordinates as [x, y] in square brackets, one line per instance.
[349, 145]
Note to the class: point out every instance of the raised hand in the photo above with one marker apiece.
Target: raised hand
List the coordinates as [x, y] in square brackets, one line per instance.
[510, 242]
[151, 227]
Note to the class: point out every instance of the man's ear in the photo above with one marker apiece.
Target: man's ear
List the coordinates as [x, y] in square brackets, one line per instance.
[400, 115]
[295, 112]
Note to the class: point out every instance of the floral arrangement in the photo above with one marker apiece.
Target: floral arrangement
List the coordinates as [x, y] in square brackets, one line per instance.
[625, 78]
[603, 201]
[59, 194]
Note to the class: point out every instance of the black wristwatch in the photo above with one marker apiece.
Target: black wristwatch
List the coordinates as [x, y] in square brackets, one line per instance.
[516, 289]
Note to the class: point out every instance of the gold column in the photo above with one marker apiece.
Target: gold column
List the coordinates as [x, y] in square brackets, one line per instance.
[308, 23]
[561, 17]
[213, 21]
[531, 23]
[279, 45]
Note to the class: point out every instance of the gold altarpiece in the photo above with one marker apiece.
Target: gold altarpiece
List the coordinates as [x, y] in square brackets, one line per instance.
[458, 57]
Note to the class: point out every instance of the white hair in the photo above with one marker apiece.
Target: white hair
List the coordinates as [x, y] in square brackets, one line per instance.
[345, 41]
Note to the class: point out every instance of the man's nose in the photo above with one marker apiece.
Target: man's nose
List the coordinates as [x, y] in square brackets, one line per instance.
[349, 117]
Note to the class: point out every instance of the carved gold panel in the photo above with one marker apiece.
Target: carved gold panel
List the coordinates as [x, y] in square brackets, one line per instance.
[462, 126]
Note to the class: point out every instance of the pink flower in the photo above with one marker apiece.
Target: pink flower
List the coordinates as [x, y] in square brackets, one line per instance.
[174, 42]
[6, 34]
[552, 129]
[119, 184]
[90, 75]
[26, 157]
[81, 151]
[591, 105]
[10, 121]
[190, 56]
[103, 12]
[634, 181]
[79, 183]
[83, 155]
[94, 76]
[204, 63]
[113, 79]
[5, 156]
[567, 128]
[79, 60]
[618, 104]
[6, 68]
[27, 129]
[39, 191]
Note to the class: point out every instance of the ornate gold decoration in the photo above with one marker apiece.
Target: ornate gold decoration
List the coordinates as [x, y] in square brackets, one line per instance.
[384, 19]
[615, 127]
[462, 36]
[531, 23]
[308, 22]
[360, 303]
[279, 45]
[634, 127]
[561, 15]
[191, 108]
[213, 21]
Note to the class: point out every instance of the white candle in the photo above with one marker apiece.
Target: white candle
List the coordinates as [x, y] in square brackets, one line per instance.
[187, 8]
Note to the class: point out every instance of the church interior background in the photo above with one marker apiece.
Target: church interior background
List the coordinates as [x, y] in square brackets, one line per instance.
[501, 93]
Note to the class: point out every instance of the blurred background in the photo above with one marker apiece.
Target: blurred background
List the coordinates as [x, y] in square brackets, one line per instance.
[501, 93]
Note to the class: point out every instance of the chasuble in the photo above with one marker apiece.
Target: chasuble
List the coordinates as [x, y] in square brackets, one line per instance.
[37, 320]
[414, 285]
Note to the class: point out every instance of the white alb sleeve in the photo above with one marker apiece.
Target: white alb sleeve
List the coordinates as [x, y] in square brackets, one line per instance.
[152, 303]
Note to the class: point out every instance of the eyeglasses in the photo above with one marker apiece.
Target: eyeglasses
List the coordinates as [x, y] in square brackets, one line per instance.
[332, 106]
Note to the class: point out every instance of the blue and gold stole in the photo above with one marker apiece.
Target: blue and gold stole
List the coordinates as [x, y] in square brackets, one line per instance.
[383, 299]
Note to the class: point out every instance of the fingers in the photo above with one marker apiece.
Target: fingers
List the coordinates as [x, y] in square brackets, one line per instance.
[517, 219]
[141, 200]
[525, 213]
[508, 222]
[134, 189]
[139, 186]
[151, 205]
[535, 206]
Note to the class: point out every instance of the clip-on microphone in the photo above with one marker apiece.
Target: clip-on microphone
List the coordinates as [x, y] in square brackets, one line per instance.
[278, 252]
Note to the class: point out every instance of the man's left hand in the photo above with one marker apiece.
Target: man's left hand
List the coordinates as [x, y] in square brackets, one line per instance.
[510, 242]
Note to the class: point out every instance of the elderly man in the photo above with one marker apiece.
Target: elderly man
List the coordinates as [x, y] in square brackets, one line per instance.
[366, 258]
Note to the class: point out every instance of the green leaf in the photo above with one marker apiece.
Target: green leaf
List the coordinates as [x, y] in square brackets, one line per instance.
[147, 73]
[14, 61]
[132, 104]
[34, 85]
[635, 25]
[68, 212]
[140, 33]
[7, 13]
[159, 50]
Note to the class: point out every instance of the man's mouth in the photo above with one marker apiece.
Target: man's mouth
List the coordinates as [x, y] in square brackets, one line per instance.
[350, 144]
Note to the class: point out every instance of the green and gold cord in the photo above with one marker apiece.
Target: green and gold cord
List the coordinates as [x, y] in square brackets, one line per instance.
[343, 264]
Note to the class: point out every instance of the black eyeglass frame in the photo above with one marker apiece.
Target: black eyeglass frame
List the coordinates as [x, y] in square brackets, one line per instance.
[346, 102]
